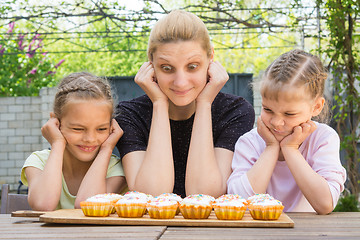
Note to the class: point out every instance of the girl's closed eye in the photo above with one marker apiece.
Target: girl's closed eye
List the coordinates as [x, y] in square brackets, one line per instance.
[78, 129]
[102, 129]
[267, 109]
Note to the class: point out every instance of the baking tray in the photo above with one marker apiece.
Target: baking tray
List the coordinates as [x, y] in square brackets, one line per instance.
[76, 216]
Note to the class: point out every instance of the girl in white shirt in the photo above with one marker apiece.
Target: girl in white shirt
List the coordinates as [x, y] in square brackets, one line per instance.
[288, 155]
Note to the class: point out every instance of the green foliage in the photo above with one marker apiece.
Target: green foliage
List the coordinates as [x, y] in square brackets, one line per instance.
[347, 204]
[109, 48]
[343, 50]
[23, 71]
[6, 6]
[107, 41]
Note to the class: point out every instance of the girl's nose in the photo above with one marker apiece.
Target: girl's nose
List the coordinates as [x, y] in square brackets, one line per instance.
[89, 136]
[277, 121]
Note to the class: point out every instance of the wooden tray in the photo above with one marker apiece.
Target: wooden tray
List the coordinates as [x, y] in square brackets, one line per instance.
[27, 213]
[76, 216]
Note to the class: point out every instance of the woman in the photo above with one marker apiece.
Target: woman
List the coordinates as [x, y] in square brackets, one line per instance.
[180, 136]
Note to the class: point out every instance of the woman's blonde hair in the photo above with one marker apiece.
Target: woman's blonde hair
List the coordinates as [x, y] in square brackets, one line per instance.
[81, 85]
[179, 25]
[296, 68]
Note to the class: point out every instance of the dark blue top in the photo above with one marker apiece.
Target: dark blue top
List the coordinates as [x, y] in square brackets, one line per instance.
[232, 116]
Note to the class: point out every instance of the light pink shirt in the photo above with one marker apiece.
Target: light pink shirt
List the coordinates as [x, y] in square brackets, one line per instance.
[322, 152]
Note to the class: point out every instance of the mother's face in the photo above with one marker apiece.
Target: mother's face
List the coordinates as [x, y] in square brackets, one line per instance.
[181, 70]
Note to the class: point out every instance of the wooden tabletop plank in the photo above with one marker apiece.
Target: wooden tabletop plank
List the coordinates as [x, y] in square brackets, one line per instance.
[254, 237]
[307, 226]
[171, 233]
[31, 228]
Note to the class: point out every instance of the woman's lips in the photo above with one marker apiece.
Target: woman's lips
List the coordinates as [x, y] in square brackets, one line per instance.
[177, 92]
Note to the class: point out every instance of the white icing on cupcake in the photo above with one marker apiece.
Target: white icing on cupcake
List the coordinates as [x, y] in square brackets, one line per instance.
[171, 196]
[160, 202]
[198, 199]
[98, 199]
[131, 199]
[137, 194]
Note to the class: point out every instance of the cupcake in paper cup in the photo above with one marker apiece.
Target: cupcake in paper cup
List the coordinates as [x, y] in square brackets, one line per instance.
[113, 197]
[230, 207]
[97, 206]
[264, 207]
[171, 196]
[196, 206]
[162, 208]
[131, 207]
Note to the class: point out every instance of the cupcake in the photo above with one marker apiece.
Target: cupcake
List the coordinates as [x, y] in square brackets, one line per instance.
[131, 207]
[171, 196]
[141, 195]
[264, 207]
[96, 206]
[230, 207]
[113, 197]
[162, 208]
[197, 206]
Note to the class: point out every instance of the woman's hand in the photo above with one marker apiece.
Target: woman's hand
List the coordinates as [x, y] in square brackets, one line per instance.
[266, 134]
[115, 134]
[217, 78]
[299, 134]
[146, 79]
[51, 131]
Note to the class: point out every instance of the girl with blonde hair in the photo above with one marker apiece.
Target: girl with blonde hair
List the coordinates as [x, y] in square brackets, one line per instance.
[290, 155]
[82, 134]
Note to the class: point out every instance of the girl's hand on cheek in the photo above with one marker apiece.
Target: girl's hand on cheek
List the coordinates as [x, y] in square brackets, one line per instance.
[115, 134]
[146, 79]
[217, 77]
[266, 134]
[51, 131]
[300, 133]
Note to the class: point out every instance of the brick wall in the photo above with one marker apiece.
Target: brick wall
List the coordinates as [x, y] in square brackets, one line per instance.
[20, 121]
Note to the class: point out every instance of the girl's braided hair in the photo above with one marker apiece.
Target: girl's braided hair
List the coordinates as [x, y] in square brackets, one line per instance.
[296, 68]
[81, 85]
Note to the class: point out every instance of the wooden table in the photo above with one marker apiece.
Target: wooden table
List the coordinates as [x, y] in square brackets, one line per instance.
[342, 226]
[307, 226]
